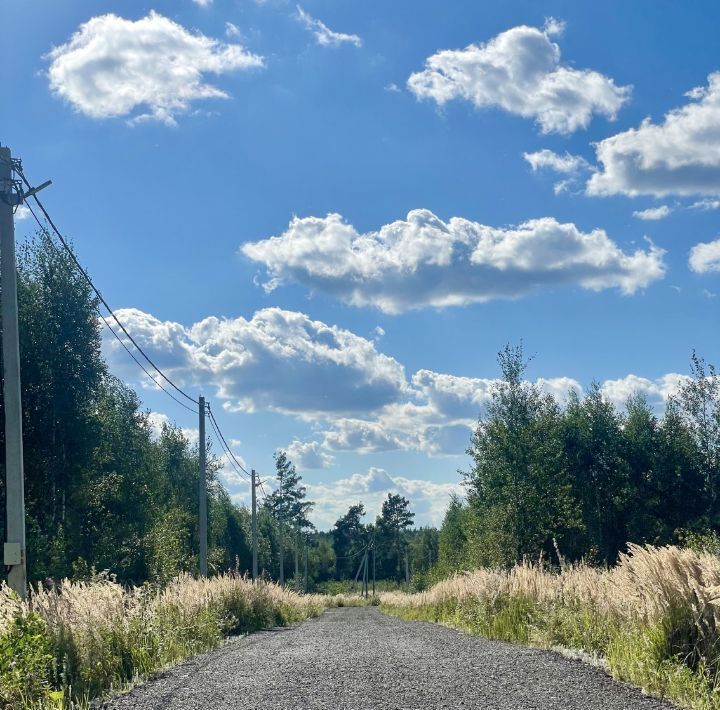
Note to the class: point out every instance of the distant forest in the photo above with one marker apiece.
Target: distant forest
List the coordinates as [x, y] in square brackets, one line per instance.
[104, 491]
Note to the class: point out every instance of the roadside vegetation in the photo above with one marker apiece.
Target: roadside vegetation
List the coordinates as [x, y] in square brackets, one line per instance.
[536, 552]
[653, 620]
[81, 640]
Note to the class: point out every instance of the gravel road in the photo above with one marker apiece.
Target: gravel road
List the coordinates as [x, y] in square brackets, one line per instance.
[360, 659]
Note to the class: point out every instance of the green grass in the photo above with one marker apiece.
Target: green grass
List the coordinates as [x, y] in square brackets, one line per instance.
[664, 658]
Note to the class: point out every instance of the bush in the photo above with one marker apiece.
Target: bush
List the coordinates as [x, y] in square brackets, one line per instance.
[80, 640]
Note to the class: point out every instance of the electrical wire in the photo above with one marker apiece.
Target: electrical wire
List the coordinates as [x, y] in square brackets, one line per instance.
[96, 290]
[109, 326]
[216, 427]
[223, 445]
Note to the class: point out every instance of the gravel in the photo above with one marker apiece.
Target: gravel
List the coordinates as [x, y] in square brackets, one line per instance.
[360, 659]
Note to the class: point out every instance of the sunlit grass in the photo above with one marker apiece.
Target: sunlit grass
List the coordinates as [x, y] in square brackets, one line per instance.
[81, 640]
[654, 619]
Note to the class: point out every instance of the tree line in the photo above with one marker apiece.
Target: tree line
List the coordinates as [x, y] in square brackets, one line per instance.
[106, 491]
[581, 479]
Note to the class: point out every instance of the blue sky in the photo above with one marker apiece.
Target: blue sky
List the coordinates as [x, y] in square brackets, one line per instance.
[496, 171]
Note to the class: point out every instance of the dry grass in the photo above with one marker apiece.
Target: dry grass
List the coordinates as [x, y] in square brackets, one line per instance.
[655, 617]
[82, 639]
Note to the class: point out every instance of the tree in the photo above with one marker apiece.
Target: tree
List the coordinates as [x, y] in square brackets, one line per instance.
[453, 550]
[349, 537]
[518, 486]
[288, 505]
[395, 517]
[699, 403]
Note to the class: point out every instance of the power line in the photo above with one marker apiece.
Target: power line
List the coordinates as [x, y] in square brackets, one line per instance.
[110, 328]
[216, 426]
[231, 456]
[70, 252]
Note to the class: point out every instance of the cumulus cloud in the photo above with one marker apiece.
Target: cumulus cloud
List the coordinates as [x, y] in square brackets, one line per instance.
[520, 71]
[278, 360]
[656, 391]
[653, 213]
[425, 262]
[705, 257]
[428, 499]
[324, 36]
[705, 205]
[158, 420]
[309, 454]
[567, 164]
[148, 69]
[679, 156]
[437, 419]
[22, 212]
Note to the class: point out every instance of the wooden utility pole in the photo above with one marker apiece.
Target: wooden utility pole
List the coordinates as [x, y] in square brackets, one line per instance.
[202, 489]
[373, 551]
[15, 556]
[365, 575]
[253, 518]
[305, 576]
[282, 552]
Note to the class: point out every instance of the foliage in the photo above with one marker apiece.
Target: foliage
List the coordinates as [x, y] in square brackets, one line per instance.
[79, 640]
[584, 478]
[652, 619]
[288, 506]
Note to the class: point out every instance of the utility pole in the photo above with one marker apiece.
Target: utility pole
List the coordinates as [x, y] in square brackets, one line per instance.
[254, 527]
[407, 568]
[202, 490]
[305, 584]
[15, 555]
[282, 551]
[373, 551]
[365, 575]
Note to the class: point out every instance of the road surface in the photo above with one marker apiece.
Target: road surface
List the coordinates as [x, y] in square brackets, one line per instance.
[360, 659]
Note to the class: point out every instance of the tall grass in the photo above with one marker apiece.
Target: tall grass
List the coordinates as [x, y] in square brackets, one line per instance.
[82, 639]
[654, 619]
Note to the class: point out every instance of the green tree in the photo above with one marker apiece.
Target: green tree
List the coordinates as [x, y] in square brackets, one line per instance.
[699, 403]
[518, 486]
[349, 537]
[288, 506]
[395, 517]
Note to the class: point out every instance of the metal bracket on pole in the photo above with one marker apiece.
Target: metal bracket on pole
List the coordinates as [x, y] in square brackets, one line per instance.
[34, 190]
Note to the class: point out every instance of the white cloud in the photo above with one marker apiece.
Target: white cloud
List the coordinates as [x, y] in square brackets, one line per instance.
[149, 69]
[232, 30]
[278, 360]
[705, 205]
[158, 420]
[307, 455]
[656, 391]
[653, 213]
[437, 419]
[393, 88]
[22, 212]
[203, 3]
[425, 262]
[705, 257]
[679, 156]
[323, 34]
[567, 164]
[428, 499]
[520, 71]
